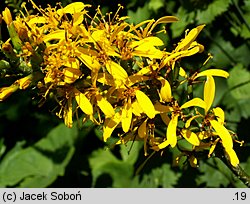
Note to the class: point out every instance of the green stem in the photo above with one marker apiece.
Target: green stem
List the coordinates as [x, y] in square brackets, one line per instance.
[238, 170]
[241, 14]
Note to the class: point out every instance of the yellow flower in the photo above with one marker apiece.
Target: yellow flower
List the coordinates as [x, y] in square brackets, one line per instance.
[7, 91]
[171, 136]
[7, 16]
[186, 47]
[25, 82]
[84, 103]
[68, 113]
[218, 123]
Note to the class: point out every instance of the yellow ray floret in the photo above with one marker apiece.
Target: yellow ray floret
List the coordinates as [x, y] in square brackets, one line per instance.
[84, 103]
[191, 137]
[223, 133]
[171, 130]
[105, 106]
[145, 103]
[209, 92]
[213, 72]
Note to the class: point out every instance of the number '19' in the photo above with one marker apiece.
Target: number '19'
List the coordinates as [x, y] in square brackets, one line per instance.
[241, 195]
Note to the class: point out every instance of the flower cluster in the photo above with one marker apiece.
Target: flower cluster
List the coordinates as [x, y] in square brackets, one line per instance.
[117, 75]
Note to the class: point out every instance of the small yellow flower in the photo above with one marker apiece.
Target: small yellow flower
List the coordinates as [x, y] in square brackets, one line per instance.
[71, 74]
[7, 91]
[145, 103]
[25, 82]
[83, 102]
[7, 16]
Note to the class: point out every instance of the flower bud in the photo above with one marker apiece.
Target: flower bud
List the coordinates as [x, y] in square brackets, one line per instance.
[7, 16]
[7, 91]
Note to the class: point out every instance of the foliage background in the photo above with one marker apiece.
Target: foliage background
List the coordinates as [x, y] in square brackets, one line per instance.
[37, 150]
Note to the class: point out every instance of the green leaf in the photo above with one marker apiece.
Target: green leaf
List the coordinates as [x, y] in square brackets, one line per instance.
[39, 165]
[130, 152]
[214, 9]
[222, 51]
[185, 18]
[155, 5]
[162, 176]
[214, 173]
[239, 85]
[141, 14]
[239, 82]
[104, 162]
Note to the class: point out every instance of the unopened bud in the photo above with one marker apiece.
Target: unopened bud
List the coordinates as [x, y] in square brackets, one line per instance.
[7, 91]
[7, 16]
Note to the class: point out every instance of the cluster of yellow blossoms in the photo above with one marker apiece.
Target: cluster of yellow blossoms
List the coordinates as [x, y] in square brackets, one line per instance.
[117, 75]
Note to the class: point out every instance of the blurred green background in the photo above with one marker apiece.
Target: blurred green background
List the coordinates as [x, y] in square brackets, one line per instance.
[37, 150]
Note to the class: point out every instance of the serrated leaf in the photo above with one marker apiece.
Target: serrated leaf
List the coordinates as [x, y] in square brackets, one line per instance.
[130, 152]
[162, 176]
[239, 82]
[214, 9]
[141, 14]
[185, 18]
[39, 165]
[222, 54]
[155, 5]
[104, 162]
[214, 174]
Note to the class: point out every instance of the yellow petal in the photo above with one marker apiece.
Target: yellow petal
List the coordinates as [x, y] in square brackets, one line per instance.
[37, 19]
[220, 115]
[145, 103]
[72, 8]
[136, 108]
[182, 73]
[232, 157]
[164, 19]
[159, 108]
[223, 133]
[191, 36]
[56, 35]
[212, 148]
[188, 122]
[191, 51]
[209, 92]
[110, 124]
[7, 16]
[191, 137]
[71, 74]
[68, 114]
[213, 72]
[84, 103]
[25, 82]
[116, 71]
[171, 131]
[88, 60]
[126, 117]
[105, 106]
[194, 102]
[7, 91]
[162, 145]
[147, 42]
[150, 52]
[165, 92]
[142, 130]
